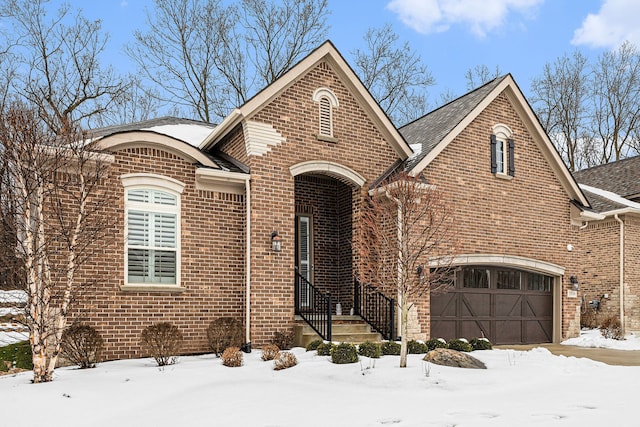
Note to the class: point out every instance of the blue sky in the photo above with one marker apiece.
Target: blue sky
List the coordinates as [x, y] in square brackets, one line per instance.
[451, 36]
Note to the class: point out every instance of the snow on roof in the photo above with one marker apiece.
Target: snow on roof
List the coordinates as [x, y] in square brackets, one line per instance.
[417, 150]
[192, 134]
[611, 196]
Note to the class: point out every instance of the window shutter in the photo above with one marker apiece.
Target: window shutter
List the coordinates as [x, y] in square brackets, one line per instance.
[494, 164]
[512, 163]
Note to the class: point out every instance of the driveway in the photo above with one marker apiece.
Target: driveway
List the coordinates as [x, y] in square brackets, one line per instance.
[608, 356]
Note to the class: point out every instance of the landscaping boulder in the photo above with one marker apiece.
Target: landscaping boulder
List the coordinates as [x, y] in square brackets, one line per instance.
[457, 359]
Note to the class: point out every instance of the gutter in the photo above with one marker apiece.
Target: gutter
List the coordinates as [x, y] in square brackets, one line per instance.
[622, 321]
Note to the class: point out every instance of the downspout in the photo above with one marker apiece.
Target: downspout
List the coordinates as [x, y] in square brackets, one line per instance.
[622, 322]
[247, 187]
[400, 243]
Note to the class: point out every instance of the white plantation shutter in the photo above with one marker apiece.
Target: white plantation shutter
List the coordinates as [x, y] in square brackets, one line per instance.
[152, 236]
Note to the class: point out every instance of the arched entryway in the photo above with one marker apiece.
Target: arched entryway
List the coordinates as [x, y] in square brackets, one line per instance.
[323, 235]
[326, 195]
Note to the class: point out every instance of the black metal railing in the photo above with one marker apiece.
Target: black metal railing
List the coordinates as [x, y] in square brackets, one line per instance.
[313, 305]
[375, 308]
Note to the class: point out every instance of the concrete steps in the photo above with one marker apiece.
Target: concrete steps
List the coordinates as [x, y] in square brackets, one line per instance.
[350, 329]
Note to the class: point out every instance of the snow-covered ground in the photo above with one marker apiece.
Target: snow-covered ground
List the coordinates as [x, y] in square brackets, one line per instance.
[532, 388]
[593, 338]
[13, 297]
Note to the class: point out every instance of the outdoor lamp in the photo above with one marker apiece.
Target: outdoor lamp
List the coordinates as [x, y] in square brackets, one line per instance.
[276, 241]
[574, 281]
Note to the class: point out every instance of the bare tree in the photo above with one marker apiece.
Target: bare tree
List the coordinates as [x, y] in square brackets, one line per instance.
[616, 97]
[136, 103]
[210, 57]
[53, 185]
[561, 98]
[59, 68]
[480, 75]
[394, 74]
[407, 243]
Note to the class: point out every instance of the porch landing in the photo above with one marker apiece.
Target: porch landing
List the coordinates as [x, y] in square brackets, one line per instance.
[351, 329]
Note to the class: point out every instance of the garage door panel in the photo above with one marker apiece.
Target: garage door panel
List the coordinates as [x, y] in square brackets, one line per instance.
[474, 328]
[508, 304]
[538, 305]
[475, 304]
[538, 330]
[444, 329]
[508, 332]
[444, 305]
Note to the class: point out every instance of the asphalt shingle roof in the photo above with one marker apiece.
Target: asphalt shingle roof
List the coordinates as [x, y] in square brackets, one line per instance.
[146, 124]
[431, 129]
[601, 204]
[621, 177]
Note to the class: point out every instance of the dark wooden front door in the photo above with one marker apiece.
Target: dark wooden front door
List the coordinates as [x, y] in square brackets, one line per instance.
[504, 305]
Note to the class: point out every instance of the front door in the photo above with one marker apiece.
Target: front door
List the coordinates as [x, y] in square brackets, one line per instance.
[304, 253]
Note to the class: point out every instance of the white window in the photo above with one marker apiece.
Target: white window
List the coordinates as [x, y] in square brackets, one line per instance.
[501, 156]
[327, 101]
[152, 225]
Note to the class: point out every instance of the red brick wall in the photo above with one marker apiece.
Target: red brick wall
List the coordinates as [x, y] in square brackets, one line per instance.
[233, 145]
[601, 267]
[294, 115]
[526, 216]
[213, 268]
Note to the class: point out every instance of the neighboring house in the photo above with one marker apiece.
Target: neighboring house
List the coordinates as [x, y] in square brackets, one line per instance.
[237, 219]
[611, 241]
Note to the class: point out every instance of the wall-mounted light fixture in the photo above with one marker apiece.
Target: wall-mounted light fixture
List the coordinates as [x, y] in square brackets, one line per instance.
[574, 281]
[276, 241]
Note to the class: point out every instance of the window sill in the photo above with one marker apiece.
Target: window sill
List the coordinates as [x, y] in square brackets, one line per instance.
[169, 289]
[503, 176]
[326, 138]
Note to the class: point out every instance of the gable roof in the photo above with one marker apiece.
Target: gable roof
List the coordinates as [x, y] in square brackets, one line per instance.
[326, 52]
[432, 128]
[435, 131]
[621, 177]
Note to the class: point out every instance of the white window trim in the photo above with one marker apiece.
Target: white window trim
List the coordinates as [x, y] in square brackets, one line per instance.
[503, 133]
[161, 183]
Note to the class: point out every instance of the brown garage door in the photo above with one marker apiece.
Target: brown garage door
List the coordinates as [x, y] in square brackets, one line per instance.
[506, 306]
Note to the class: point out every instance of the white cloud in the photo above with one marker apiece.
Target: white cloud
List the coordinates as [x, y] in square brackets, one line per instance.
[615, 22]
[433, 16]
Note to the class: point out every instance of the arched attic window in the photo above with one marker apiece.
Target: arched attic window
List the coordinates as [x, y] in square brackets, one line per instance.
[327, 101]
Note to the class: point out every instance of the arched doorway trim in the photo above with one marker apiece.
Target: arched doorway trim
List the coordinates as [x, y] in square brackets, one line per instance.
[335, 170]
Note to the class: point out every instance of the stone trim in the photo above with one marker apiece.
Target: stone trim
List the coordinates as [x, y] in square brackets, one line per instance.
[506, 260]
[328, 168]
[260, 137]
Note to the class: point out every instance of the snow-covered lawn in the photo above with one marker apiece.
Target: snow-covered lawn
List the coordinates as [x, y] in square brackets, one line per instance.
[517, 389]
[593, 338]
[13, 297]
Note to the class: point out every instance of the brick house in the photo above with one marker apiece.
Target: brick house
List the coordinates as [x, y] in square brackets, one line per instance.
[610, 241]
[239, 219]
